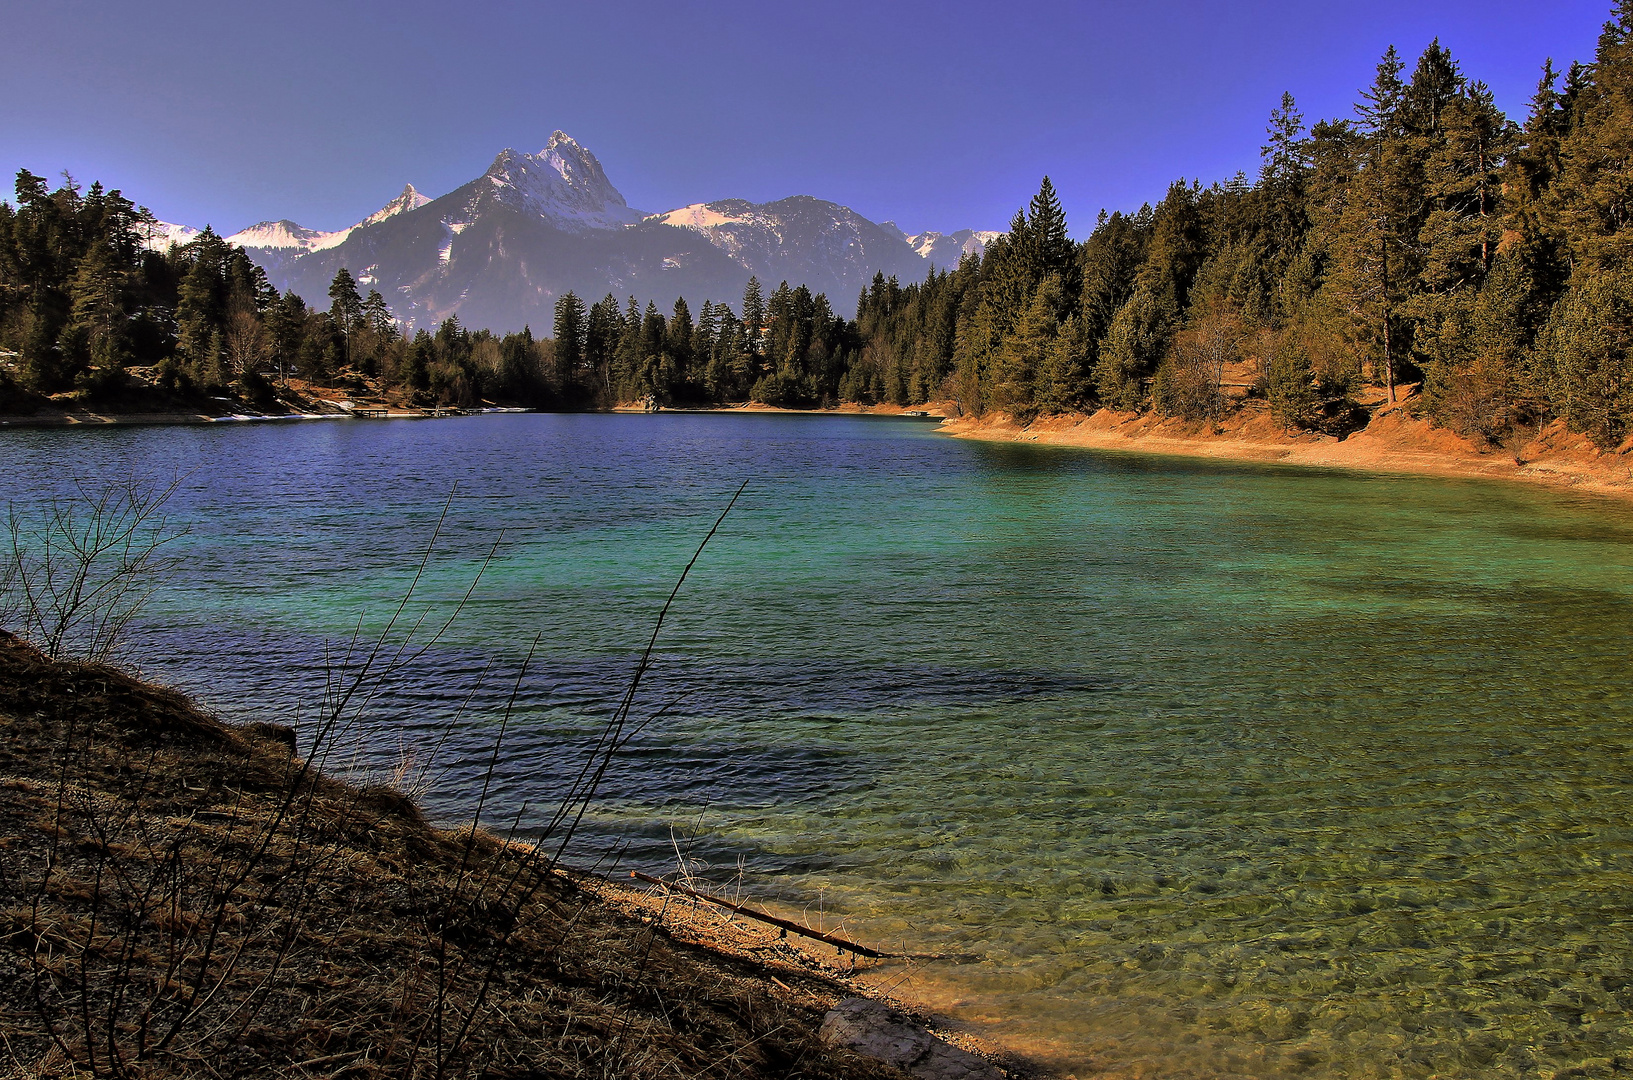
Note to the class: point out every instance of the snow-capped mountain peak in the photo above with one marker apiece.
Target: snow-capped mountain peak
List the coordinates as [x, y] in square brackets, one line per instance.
[562, 183]
[286, 235]
[765, 237]
[277, 242]
[945, 249]
[408, 200]
[162, 235]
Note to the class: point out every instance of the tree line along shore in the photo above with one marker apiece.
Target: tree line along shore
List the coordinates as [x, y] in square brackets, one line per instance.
[1428, 241]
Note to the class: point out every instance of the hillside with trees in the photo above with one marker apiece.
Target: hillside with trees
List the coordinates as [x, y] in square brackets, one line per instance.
[91, 313]
[1428, 242]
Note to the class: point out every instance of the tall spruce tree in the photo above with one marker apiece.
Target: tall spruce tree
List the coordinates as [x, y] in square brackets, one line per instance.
[1375, 235]
[571, 332]
[1052, 250]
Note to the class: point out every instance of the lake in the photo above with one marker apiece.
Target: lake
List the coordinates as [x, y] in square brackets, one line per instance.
[1206, 769]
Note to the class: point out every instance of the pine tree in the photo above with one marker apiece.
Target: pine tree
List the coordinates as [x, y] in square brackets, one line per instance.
[754, 317]
[1051, 249]
[571, 330]
[1133, 345]
[1290, 383]
[285, 321]
[1436, 83]
[1283, 190]
[979, 336]
[201, 309]
[1537, 162]
[420, 356]
[1018, 359]
[99, 328]
[1589, 345]
[1111, 258]
[656, 373]
[602, 332]
[1595, 192]
[728, 372]
[1060, 381]
[1376, 236]
[678, 347]
[1175, 251]
[345, 308]
[377, 315]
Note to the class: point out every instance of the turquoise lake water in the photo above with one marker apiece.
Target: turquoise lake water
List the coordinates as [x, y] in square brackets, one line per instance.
[1211, 770]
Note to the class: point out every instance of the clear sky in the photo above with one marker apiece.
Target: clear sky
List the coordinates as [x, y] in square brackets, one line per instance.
[938, 115]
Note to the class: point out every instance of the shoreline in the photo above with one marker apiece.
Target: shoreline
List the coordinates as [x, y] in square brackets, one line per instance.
[889, 980]
[63, 418]
[929, 411]
[551, 943]
[1393, 441]
[185, 419]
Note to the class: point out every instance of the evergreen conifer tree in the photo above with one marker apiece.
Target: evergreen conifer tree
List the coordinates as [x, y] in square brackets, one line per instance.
[571, 331]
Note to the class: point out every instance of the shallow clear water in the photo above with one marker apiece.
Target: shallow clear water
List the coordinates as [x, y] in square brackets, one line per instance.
[1214, 770]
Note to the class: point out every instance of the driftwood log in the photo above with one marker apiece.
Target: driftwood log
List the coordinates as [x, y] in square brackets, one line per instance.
[785, 924]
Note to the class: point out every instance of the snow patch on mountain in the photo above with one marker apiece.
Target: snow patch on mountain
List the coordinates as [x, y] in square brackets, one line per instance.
[563, 183]
[702, 217]
[732, 225]
[451, 229]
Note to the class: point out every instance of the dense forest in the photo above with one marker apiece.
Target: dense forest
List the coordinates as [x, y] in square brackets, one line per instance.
[90, 307]
[1428, 240]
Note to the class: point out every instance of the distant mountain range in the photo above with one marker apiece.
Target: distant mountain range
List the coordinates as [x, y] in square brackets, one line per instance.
[500, 250]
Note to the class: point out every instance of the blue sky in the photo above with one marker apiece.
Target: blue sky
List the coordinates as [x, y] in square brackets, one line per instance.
[938, 115]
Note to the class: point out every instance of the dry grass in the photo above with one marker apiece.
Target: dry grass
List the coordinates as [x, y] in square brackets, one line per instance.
[180, 898]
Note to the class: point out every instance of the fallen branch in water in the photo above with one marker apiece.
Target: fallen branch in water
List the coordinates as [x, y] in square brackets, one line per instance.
[785, 924]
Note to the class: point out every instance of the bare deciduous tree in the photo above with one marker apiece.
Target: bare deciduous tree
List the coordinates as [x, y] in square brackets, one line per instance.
[245, 340]
[77, 570]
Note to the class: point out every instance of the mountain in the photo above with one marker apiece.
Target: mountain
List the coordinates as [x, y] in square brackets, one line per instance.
[498, 251]
[276, 244]
[501, 249]
[946, 249]
[563, 184]
[163, 235]
[801, 240]
[408, 200]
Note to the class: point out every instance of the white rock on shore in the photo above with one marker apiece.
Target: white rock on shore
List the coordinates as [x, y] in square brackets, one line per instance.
[875, 1030]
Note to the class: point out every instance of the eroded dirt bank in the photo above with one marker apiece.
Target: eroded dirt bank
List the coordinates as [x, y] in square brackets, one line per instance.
[1392, 441]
